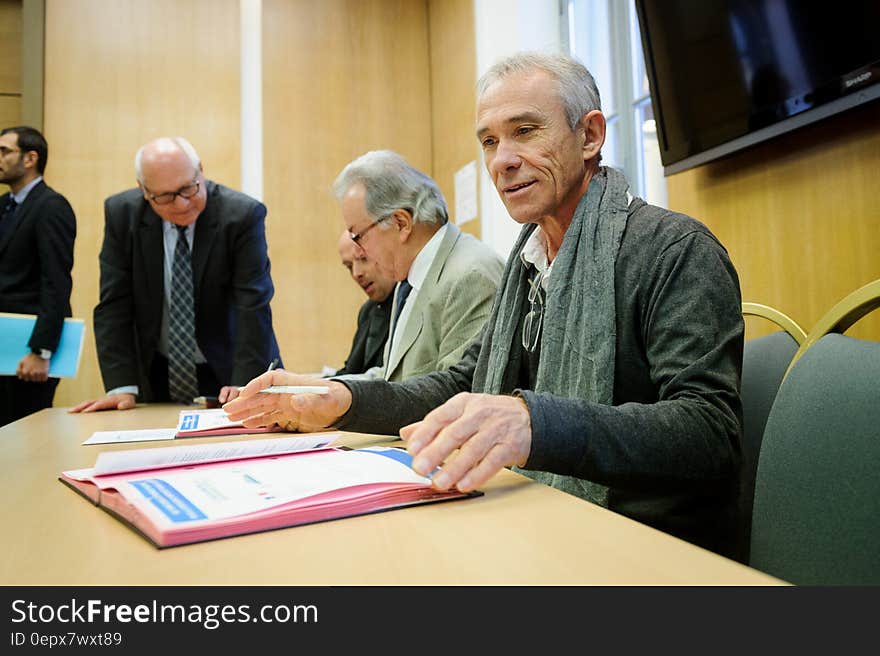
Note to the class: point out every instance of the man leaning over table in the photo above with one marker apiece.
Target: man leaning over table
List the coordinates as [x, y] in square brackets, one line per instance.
[609, 367]
[185, 285]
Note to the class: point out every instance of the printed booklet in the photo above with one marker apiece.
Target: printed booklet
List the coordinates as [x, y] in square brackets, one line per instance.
[184, 494]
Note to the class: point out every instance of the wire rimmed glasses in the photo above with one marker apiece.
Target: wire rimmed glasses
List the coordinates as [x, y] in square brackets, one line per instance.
[534, 319]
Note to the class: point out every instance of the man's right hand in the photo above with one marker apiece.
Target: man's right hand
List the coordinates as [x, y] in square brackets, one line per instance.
[111, 402]
[293, 412]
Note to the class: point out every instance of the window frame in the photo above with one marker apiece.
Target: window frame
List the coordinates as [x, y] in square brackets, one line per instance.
[626, 48]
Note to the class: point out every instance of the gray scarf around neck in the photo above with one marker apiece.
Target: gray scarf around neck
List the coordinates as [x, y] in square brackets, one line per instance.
[579, 334]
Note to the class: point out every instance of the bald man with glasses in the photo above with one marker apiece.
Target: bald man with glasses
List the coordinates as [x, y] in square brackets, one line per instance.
[185, 286]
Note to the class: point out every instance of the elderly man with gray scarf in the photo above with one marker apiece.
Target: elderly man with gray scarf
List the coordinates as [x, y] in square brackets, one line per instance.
[609, 367]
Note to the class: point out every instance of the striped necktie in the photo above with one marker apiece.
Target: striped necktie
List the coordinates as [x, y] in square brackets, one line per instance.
[182, 384]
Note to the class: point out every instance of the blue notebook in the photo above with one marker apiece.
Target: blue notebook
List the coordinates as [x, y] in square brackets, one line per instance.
[15, 331]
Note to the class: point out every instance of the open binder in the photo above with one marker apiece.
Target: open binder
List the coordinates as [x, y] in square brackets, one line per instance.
[180, 495]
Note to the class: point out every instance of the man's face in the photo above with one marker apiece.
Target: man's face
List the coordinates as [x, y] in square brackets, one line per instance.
[363, 270]
[534, 158]
[170, 172]
[12, 167]
[378, 243]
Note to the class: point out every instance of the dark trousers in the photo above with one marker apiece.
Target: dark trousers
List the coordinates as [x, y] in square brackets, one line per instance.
[208, 383]
[19, 398]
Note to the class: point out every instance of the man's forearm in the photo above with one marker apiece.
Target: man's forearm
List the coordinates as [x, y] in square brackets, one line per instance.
[379, 406]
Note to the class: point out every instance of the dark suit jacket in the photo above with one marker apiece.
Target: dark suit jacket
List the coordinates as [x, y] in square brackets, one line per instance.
[232, 289]
[369, 340]
[36, 255]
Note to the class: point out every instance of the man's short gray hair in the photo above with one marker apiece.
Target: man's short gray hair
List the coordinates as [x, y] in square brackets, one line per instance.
[577, 88]
[391, 184]
[181, 143]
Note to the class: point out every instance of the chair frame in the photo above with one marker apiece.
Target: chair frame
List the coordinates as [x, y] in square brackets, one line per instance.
[841, 317]
[781, 319]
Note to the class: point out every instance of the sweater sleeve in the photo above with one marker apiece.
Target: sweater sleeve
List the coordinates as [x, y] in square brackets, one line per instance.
[691, 334]
[379, 406]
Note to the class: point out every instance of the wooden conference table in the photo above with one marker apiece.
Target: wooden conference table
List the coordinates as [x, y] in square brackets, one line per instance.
[519, 533]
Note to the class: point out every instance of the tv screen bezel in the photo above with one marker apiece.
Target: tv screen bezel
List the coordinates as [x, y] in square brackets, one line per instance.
[855, 98]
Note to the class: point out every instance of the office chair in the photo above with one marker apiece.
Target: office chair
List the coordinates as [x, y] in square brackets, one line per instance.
[765, 360]
[816, 513]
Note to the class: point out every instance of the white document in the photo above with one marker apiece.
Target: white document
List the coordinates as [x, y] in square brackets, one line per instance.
[200, 420]
[144, 435]
[231, 489]
[466, 193]
[114, 462]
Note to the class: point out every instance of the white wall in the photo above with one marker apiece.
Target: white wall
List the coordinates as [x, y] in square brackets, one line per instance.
[251, 98]
[504, 27]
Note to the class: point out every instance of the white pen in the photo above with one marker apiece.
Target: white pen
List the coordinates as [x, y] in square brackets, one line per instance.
[293, 389]
[290, 389]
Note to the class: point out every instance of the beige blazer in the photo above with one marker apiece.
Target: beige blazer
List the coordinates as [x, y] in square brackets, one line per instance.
[450, 308]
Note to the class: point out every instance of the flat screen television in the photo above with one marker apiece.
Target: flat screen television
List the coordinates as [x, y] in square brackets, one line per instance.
[727, 74]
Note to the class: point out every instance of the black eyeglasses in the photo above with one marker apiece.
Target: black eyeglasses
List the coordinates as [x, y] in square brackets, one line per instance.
[187, 191]
[532, 323]
[357, 236]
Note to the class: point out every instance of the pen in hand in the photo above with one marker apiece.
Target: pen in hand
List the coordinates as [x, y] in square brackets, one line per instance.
[293, 389]
[290, 389]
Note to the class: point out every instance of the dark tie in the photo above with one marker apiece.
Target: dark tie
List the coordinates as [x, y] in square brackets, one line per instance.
[8, 211]
[403, 290]
[182, 384]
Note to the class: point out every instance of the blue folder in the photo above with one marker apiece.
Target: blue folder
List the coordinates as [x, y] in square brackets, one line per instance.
[15, 331]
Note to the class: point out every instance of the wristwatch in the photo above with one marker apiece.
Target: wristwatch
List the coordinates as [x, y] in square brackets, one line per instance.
[46, 354]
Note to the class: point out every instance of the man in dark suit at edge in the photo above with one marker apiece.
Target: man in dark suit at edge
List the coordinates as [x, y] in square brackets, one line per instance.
[185, 285]
[37, 231]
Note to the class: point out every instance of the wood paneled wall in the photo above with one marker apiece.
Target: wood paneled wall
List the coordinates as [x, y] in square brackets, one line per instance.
[117, 74]
[10, 63]
[340, 78]
[799, 216]
[453, 94]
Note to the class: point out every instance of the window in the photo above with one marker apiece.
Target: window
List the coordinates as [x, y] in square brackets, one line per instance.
[604, 35]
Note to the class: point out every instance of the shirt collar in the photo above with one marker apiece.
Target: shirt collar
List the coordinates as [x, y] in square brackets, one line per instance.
[22, 193]
[535, 253]
[420, 266]
[168, 228]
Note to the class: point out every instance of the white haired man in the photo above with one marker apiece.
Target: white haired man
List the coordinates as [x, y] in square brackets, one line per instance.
[447, 279]
[610, 365]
